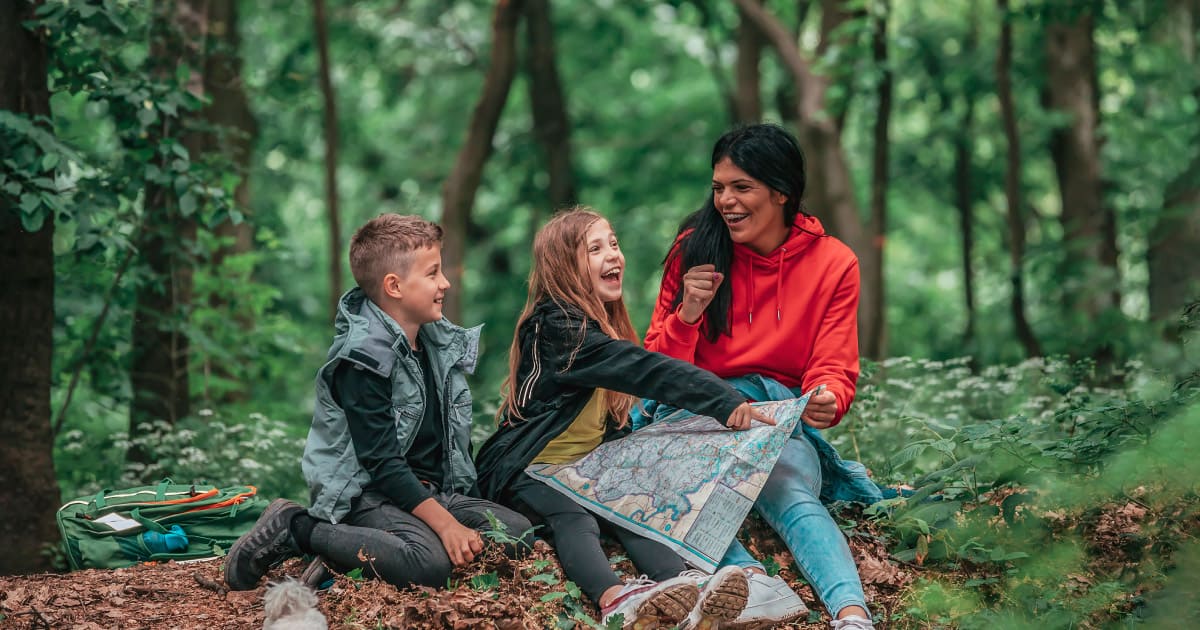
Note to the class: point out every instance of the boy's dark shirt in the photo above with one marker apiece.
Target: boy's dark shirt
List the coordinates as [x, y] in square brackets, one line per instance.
[367, 400]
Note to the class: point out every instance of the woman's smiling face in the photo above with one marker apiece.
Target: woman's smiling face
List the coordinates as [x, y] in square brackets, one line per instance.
[752, 211]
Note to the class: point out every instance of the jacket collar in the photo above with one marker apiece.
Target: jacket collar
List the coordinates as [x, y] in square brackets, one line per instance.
[357, 315]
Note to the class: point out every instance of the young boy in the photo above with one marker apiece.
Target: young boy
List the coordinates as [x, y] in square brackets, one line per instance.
[388, 455]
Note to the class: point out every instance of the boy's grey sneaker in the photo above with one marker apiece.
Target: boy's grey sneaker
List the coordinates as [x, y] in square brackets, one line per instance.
[852, 622]
[266, 544]
[317, 574]
[771, 602]
[722, 598]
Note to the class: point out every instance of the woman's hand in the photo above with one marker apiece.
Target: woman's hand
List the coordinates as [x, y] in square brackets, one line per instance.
[740, 419]
[821, 410]
[699, 286]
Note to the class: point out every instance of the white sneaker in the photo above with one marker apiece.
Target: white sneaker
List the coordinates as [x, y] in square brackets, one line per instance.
[771, 601]
[649, 604]
[722, 598]
[852, 622]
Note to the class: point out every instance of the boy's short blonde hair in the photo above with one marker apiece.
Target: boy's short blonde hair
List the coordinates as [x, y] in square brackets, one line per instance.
[385, 245]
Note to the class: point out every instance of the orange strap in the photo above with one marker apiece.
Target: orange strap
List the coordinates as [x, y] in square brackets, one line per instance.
[198, 497]
[235, 499]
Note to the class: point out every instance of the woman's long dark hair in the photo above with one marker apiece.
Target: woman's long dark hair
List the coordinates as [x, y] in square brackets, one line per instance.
[765, 152]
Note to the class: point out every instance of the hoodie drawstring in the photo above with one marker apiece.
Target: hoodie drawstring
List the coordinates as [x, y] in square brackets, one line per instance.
[750, 289]
[779, 288]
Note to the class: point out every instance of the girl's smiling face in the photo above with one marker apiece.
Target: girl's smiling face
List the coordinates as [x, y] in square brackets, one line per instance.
[605, 262]
[753, 211]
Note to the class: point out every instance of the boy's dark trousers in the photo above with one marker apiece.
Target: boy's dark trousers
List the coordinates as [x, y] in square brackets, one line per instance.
[400, 548]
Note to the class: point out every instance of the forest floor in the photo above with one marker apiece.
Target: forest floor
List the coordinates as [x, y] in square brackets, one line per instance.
[498, 592]
[531, 593]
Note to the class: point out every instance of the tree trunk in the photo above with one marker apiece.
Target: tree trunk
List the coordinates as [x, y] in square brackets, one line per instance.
[833, 16]
[786, 96]
[29, 493]
[1174, 248]
[1089, 226]
[961, 183]
[964, 190]
[159, 354]
[1012, 185]
[233, 137]
[964, 199]
[551, 125]
[747, 99]
[458, 192]
[230, 112]
[830, 193]
[874, 323]
[320, 25]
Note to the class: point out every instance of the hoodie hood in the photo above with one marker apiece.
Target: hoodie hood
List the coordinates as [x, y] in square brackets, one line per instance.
[757, 268]
[805, 231]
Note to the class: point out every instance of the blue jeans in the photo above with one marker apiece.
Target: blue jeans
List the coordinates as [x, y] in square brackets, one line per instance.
[790, 504]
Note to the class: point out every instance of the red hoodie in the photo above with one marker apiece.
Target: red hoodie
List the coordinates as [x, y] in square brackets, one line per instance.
[794, 316]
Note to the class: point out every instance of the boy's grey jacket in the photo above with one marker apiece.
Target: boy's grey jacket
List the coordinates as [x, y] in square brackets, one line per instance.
[368, 337]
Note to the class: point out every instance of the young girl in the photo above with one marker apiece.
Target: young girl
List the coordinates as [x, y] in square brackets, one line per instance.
[574, 371]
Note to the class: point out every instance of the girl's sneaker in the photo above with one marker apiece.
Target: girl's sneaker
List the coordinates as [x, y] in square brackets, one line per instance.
[771, 602]
[648, 604]
[722, 598]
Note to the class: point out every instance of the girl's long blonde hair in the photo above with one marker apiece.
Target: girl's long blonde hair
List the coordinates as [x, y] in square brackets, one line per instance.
[560, 273]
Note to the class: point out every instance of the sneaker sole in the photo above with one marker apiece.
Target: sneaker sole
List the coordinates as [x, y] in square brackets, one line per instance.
[316, 573]
[724, 602]
[753, 624]
[275, 506]
[668, 607]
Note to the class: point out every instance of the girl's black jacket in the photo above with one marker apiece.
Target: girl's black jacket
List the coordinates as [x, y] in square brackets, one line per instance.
[565, 356]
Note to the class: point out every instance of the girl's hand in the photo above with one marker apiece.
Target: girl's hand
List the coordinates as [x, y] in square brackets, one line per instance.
[699, 286]
[740, 419]
[821, 410]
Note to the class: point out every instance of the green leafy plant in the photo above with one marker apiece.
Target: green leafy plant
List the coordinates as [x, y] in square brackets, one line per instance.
[256, 450]
[485, 582]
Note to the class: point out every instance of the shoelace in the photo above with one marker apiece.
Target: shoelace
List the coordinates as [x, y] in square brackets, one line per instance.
[698, 575]
[641, 581]
[637, 582]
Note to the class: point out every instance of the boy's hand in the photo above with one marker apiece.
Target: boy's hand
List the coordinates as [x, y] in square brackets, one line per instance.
[740, 419]
[462, 543]
[821, 410]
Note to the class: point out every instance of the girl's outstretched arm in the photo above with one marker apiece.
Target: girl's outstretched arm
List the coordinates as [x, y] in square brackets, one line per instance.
[597, 360]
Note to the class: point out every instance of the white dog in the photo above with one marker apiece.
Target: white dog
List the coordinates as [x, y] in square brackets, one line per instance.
[291, 605]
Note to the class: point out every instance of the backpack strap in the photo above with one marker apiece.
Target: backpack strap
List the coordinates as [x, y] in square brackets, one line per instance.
[160, 493]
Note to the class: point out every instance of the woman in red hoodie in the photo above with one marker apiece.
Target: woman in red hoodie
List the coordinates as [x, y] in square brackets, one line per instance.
[753, 285]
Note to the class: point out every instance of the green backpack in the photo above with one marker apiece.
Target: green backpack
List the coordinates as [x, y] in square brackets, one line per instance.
[121, 528]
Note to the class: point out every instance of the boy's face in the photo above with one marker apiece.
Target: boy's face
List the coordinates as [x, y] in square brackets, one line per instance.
[419, 293]
[606, 263]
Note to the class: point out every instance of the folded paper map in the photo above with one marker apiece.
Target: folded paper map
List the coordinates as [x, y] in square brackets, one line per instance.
[684, 480]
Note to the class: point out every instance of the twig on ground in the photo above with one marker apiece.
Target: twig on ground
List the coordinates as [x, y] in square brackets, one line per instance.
[211, 585]
[37, 614]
